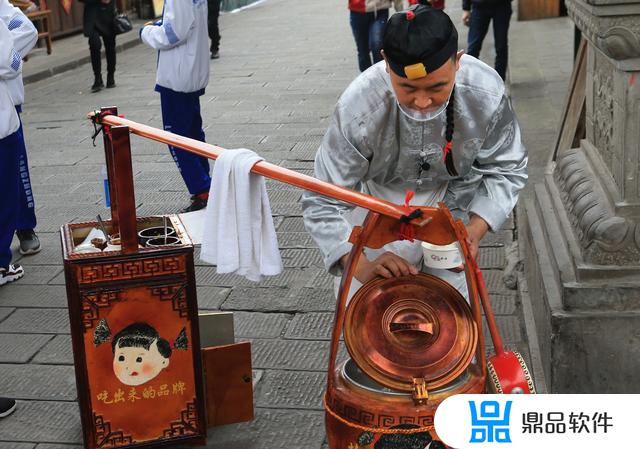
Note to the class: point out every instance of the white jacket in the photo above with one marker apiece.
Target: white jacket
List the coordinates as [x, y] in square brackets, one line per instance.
[24, 36]
[10, 68]
[182, 41]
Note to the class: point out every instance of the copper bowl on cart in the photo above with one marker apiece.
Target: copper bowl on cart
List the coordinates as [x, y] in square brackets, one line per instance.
[412, 342]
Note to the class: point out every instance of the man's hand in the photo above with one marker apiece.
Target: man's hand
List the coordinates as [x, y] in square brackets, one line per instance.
[466, 18]
[151, 22]
[387, 265]
[476, 229]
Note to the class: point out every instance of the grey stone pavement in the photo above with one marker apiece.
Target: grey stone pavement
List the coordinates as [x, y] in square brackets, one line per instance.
[283, 65]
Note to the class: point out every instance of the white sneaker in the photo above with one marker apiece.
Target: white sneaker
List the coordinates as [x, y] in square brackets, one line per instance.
[11, 273]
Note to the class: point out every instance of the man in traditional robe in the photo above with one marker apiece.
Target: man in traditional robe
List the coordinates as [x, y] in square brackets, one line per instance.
[427, 119]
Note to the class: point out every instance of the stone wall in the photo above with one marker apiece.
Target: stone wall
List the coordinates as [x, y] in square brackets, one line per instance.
[582, 226]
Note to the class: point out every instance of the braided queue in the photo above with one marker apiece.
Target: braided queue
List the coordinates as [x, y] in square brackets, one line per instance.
[448, 154]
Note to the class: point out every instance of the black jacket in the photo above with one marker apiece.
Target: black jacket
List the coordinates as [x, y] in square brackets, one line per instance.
[466, 4]
[98, 17]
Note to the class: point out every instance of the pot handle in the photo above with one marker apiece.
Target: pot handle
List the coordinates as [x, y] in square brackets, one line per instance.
[413, 326]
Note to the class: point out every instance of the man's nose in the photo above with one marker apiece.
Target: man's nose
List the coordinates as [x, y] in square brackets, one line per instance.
[422, 101]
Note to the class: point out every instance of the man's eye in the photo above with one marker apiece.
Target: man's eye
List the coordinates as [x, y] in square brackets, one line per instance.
[139, 360]
[121, 358]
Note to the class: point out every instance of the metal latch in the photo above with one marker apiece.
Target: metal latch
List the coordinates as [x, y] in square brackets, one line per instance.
[420, 393]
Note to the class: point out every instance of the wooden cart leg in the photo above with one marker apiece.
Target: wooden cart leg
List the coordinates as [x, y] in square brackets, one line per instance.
[45, 25]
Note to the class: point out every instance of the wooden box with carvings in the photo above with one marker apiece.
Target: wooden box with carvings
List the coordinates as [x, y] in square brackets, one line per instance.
[136, 344]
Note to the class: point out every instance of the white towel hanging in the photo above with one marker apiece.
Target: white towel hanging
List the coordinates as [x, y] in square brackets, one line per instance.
[239, 236]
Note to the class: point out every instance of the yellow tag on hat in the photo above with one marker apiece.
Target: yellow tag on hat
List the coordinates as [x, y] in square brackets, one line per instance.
[415, 71]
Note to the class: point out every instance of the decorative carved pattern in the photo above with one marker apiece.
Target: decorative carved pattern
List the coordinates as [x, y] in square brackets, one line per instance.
[615, 35]
[527, 374]
[606, 239]
[176, 294]
[130, 269]
[186, 425]
[620, 43]
[495, 380]
[633, 111]
[603, 104]
[92, 302]
[105, 438]
[368, 419]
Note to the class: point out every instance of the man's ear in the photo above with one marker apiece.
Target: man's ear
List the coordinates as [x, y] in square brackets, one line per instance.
[385, 60]
[458, 57]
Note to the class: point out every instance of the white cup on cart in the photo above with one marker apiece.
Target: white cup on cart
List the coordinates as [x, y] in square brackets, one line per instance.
[442, 256]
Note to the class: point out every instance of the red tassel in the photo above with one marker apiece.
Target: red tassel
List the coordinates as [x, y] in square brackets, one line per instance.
[447, 148]
[407, 198]
[406, 232]
[410, 15]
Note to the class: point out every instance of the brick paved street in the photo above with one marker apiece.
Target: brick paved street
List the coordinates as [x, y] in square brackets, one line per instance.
[283, 65]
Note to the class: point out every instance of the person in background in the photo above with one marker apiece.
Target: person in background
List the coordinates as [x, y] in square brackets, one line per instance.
[368, 19]
[10, 149]
[435, 4]
[24, 36]
[214, 30]
[181, 78]
[477, 14]
[97, 22]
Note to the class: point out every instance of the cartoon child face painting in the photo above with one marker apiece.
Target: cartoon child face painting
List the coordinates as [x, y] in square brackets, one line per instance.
[139, 353]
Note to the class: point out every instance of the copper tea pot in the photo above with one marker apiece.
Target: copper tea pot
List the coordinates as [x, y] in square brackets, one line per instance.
[413, 342]
[412, 334]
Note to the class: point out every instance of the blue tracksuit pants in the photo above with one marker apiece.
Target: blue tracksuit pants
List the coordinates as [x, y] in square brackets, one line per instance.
[27, 212]
[10, 149]
[181, 115]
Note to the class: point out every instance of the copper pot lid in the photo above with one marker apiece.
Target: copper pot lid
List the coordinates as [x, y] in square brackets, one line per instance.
[412, 327]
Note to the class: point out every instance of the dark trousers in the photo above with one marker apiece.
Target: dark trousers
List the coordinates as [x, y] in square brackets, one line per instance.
[10, 188]
[95, 46]
[368, 30]
[181, 115]
[214, 31]
[27, 213]
[480, 17]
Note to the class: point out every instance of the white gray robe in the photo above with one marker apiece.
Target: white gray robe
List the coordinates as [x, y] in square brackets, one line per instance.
[371, 146]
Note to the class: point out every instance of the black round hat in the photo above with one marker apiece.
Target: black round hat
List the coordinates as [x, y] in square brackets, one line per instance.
[418, 41]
